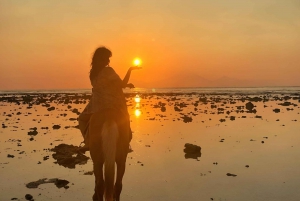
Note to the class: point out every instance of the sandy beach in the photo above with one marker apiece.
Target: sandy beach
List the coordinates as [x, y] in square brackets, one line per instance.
[250, 146]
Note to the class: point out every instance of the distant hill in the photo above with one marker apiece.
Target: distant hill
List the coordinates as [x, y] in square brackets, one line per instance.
[194, 80]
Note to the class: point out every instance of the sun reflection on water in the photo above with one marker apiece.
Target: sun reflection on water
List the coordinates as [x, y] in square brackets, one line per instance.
[137, 112]
[137, 99]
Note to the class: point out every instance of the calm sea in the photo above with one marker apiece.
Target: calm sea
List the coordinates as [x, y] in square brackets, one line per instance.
[198, 90]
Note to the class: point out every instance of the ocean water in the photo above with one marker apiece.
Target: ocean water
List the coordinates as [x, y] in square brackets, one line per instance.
[197, 90]
[260, 148]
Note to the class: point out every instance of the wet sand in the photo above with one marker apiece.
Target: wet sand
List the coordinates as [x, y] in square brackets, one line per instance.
[250, 146]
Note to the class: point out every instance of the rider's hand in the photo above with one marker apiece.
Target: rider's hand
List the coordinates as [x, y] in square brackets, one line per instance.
[135, 68]
[130, 85]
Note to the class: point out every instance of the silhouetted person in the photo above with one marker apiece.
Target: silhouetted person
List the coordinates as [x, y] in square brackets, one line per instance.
[107, 95]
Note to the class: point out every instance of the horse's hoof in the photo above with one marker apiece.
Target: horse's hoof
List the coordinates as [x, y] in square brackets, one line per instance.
[95, 197]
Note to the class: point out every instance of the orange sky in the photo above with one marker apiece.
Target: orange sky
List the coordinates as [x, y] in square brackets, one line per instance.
[49, 44]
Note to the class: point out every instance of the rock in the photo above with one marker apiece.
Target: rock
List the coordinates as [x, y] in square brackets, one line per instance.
[56, 127]
[187, 119]
[10, 156]
[177, 109]
[249, 106]
[285, 104]
[192, 151]
[68, 156]
[231, 175]
[59, 183]
[50, 108]
[276, 110]
[89, 173]
[34, 133]
[222, 120]
[28, 197]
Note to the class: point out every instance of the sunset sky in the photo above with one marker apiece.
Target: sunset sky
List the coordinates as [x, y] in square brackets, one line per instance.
[49, 44]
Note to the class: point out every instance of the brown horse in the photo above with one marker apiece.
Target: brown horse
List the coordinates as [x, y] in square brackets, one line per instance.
[109, 144]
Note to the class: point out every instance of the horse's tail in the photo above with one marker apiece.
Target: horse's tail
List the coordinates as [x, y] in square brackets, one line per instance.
[109, 145]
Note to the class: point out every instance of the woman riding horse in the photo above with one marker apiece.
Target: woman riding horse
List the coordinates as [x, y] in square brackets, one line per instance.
[105, 125]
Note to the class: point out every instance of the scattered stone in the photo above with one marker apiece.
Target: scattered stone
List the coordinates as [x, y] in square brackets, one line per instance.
[50, 108]
[45, 158]
[68, 156]
[192, 151]
[89, 173]
[59, 183]
[187, 119]
[28, 197]
[285, 104]
[231, 175]
[56, 127]
[10, 156]
[249, 106]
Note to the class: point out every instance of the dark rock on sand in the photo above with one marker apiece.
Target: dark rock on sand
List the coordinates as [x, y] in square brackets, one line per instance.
[187, 119]
[276, 110]
[51, 108]
[56, 127]
[177, 109]
[231, 175]
[285, 104]
[249, 106]
[75, 110]
[59, 183]
[68, 156]
[28, 197]
[192, 151]
[33, 132]
[89, 173]
[10, 156]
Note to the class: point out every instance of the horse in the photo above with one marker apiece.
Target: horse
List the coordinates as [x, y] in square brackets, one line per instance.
[108, 144]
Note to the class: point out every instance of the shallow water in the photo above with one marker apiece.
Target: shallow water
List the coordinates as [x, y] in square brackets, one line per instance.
[266, 141]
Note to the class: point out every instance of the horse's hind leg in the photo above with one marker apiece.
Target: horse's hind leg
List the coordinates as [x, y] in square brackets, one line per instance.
[99, 181]
[118, 184]
[96, 154]
[121, 164]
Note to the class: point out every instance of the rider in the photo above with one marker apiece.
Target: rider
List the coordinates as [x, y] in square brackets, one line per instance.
[107, 93]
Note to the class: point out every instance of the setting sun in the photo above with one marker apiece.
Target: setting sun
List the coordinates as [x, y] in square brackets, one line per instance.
[137, 61]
